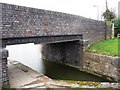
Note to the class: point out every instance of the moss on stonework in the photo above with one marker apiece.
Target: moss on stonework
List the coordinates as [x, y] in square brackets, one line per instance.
[80, 83]
[85, 83]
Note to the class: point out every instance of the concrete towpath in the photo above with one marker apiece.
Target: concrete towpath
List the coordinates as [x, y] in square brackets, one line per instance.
[21, 76]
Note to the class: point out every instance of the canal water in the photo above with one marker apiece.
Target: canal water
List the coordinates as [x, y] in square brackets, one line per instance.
[30, 55]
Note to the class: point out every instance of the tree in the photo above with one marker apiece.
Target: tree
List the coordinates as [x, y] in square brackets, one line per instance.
[108, 15]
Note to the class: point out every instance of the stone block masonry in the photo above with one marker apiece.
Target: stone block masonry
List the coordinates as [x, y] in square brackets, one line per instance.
[103, 65]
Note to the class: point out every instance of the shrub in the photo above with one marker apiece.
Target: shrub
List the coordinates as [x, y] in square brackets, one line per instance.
[117, 26]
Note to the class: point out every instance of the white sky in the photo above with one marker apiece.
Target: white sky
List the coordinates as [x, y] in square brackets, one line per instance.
[78, 7]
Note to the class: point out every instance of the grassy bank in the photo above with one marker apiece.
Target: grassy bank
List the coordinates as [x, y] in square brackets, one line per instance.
[105, 47]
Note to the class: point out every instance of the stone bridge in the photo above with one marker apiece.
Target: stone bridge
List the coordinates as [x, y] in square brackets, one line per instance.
[64, 36]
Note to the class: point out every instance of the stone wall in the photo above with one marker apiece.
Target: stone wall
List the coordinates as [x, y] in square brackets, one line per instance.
[65, 52]
[71, 53]
[103, 65]
[19, 22]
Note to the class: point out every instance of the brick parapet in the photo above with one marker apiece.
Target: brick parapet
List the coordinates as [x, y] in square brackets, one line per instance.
[19, 22]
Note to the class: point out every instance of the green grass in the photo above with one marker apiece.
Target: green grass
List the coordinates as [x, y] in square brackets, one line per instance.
[105, 47]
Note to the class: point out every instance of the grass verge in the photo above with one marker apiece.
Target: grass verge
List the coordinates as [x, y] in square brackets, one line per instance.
[105, 47]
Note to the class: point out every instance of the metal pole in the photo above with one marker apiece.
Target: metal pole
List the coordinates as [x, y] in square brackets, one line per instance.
[119, 9]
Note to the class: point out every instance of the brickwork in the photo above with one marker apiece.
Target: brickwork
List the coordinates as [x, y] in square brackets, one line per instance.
[66, 52]
[0, 25]
[3, 68]
[20, 25]
[19, 22]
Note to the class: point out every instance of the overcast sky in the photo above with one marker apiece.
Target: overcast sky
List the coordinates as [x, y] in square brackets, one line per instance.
[78, 7]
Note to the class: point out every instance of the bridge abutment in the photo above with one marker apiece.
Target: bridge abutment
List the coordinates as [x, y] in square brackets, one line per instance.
[64, 52]
[4, 79]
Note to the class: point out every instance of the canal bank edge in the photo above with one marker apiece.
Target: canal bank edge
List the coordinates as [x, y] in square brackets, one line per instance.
[31, 79]
[84, 70]
[107, 66]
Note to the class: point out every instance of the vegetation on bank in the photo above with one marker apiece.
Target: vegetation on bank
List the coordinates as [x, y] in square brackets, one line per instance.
[117, 26]
[105, 47]
[82, 85]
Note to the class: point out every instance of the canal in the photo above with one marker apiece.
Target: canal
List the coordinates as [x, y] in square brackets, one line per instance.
[30, 55]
